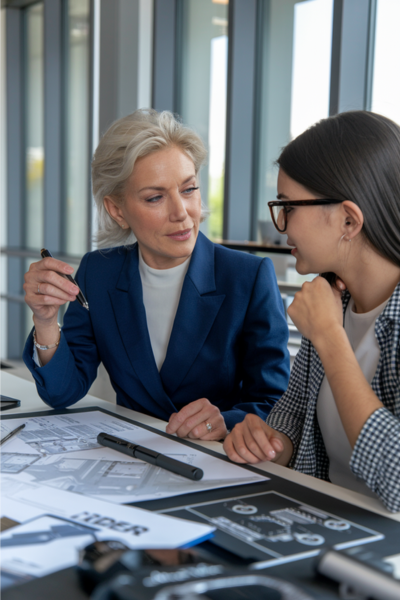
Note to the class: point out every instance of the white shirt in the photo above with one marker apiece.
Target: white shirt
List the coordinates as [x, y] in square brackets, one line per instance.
[360, 329]
[161, 294]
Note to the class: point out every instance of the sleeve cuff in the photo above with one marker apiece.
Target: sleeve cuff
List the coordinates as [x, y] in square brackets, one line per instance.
[375, 458]
[282, 421]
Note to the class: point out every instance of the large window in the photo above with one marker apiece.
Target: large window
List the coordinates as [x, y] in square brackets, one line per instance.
[34, 152]
[77, 127]
[386, 81]
[202, 93]
[296, 61]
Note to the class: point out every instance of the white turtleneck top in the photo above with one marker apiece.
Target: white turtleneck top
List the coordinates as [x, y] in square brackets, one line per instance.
[161, 294]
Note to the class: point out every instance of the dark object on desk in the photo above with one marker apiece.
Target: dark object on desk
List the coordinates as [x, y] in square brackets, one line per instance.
[11, 434]
[197, 582]
[80, 297]
[125, 574]
[360, 572]
[150, 456]
[6, 403]
[103, 560]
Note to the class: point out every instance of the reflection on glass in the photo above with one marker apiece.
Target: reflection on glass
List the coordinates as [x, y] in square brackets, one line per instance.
[295, 86]
[77, 127]
[202, 97]
[34, 126]
[386, 82]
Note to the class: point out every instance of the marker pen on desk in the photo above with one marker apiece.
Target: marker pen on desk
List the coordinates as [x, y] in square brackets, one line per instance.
[150, 456]
[11, 434]
[80, 297]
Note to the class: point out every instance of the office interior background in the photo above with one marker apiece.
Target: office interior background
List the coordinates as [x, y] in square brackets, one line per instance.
[247, 75]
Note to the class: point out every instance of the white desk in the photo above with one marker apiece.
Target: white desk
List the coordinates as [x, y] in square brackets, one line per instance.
[25, 391]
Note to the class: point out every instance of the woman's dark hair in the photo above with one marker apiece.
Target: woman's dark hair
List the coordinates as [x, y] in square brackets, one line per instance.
[354, 156]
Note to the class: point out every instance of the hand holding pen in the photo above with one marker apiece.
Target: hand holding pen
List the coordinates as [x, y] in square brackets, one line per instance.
[47, 287]
[80, 297]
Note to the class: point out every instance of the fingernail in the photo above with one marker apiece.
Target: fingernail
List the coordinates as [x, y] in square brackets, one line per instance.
[271, 454]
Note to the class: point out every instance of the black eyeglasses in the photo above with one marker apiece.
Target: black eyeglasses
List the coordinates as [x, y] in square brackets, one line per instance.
[279, 212]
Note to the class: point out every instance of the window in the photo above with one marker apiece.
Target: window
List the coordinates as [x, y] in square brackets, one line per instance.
[296, 58]
[34, 150]
[77, 129]
[202, 93]
[386, 82]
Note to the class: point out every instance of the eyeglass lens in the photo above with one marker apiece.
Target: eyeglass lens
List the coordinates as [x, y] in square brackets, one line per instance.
[279, 217]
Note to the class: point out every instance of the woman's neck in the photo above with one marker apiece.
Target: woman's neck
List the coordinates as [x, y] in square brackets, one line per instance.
[370, 280]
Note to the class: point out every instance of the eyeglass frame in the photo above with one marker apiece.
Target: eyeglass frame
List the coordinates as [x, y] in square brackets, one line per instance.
[294, 203]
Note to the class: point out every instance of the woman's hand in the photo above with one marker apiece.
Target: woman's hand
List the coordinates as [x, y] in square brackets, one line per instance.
[46, 290]
[191, 421]
[253, 441]
[317, 308]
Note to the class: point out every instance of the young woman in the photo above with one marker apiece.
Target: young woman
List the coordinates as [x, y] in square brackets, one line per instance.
[189, 331]
[339, 204]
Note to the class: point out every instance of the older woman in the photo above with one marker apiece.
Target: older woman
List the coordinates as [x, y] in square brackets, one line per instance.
[188, 331]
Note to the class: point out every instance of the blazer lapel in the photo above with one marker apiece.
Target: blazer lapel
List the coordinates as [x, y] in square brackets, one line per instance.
[195, 316]
[129, 311]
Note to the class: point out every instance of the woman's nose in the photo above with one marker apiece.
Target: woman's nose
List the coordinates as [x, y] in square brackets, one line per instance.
[178, 210]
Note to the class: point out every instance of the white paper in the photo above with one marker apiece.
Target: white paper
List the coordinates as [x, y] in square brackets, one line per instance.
[62, 451]
[136, 527]
[394, 561]
[40, 544]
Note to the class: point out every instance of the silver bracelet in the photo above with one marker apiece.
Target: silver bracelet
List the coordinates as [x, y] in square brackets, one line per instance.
[51, 345]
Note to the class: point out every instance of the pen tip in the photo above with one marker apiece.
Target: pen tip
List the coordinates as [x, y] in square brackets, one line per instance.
[86, 305]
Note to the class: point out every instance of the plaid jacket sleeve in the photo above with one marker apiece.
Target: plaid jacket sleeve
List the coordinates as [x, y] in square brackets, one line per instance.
[376, 457]
[289, 412]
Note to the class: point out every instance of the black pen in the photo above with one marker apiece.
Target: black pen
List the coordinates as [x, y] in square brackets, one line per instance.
[80, 297]
[150, 456]
[11, 434]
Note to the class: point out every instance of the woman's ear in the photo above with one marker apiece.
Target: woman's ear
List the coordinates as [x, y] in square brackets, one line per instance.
[115, 212]
[353, 220]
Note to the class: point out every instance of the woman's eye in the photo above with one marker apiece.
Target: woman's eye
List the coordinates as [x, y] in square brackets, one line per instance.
[190, 190]
[154, 199]
[288, 209]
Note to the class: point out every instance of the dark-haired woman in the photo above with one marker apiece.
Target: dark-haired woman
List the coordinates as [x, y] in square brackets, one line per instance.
[339, 204]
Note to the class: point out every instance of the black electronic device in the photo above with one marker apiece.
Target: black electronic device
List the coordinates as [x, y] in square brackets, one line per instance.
[6, 403]
[360, 572]
[116, 573]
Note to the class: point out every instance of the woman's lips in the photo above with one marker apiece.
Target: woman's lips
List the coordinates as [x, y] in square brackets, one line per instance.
[180, 236]
[293, 251]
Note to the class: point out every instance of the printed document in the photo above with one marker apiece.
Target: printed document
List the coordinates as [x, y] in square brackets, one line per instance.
[53, 525]
[61, 451]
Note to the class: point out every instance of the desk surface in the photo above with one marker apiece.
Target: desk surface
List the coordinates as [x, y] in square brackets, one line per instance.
[63, 584]
[25, 391]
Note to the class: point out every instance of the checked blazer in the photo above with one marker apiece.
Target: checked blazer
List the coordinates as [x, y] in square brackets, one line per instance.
[376, 454]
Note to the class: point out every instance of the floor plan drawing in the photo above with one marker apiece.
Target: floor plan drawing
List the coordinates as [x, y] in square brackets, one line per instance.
[277, 526]
[110, 480]
[61, 451]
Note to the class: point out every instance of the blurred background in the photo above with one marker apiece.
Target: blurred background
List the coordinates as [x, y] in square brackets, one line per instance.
[247, 75]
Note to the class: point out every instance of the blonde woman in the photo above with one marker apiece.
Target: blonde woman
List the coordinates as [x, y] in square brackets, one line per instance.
[188, 331]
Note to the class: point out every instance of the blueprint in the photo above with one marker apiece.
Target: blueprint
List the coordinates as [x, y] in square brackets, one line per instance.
[271, 526]
[61, 451]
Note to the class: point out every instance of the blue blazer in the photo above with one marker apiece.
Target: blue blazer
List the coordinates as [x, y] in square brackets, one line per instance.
[228, 342]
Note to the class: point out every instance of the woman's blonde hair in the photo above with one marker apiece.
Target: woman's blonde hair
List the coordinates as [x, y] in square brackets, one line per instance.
[132, 137]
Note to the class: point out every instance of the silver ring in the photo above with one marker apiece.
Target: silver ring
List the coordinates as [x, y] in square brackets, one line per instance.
[38, 289]
[209, 427]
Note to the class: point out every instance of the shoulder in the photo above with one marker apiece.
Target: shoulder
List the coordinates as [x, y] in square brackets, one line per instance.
[107, 258]
[238, 259]
[103, 267]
